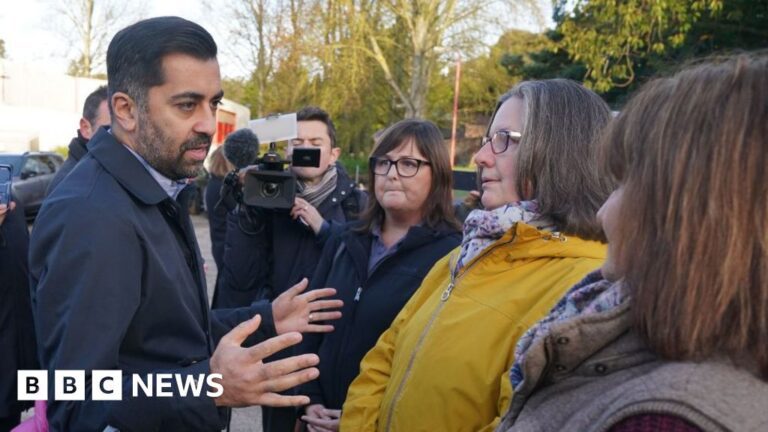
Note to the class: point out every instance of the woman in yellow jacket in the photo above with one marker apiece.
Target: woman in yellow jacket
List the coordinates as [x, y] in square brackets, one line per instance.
[443, 364]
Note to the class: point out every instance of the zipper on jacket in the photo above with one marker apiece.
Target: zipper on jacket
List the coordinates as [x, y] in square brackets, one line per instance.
[443, 300]
[447, 292]
[357, 294]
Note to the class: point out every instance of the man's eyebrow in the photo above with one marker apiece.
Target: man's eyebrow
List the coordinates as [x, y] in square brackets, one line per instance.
[195, 96]
[187, 95]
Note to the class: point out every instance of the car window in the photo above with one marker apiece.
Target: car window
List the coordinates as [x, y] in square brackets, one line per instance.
[35, 165]
[50, 162]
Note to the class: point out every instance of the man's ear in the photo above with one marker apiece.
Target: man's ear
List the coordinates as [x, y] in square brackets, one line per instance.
[85, 128]
[124, 112]
[335, 153]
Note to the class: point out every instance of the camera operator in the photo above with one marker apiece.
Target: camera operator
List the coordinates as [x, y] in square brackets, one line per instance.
[269, 250]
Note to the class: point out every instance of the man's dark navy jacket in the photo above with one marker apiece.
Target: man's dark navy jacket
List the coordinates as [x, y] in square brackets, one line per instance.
[118, 283]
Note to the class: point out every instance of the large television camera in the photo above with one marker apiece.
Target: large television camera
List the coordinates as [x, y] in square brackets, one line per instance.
[266, 183]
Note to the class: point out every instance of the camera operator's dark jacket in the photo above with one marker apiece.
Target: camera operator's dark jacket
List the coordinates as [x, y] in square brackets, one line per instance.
[118, 283]
[77, 149]
[266, 251]
[382, 293]
[217, 218]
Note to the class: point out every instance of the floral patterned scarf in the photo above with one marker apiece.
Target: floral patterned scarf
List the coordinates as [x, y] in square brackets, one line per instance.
[483, 227]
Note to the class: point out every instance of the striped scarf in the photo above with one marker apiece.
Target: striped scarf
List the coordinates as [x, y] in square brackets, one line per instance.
[317, 193]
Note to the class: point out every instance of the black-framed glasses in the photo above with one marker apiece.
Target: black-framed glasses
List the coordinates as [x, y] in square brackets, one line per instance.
[500, 140]
[406, 167]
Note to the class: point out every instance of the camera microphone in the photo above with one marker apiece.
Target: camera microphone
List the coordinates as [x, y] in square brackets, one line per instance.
[241, 148]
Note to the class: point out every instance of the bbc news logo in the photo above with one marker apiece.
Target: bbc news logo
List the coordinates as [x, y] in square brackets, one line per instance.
[107, 385]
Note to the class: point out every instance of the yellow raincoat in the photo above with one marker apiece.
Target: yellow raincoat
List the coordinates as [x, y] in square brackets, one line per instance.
[444, 363]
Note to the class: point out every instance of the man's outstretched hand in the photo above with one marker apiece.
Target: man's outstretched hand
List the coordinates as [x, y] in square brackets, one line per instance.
[297, 312]
[247, 380]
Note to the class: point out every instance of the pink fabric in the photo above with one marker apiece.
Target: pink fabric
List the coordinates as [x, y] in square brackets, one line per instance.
[37, 423]
[654, 423]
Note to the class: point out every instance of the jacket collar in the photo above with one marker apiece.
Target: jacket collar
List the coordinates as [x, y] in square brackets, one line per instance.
[601, 338]
[344, 188]
[359, 243]
[118, 161]
[535, 243]
[77, 147]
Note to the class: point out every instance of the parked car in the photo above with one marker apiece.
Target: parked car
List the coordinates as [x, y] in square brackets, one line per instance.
[31, 174]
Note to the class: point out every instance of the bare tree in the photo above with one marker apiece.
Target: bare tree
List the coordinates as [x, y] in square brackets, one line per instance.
[426, 30]
[88, 25]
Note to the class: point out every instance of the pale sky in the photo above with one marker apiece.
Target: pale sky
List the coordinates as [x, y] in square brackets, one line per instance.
[29, 36]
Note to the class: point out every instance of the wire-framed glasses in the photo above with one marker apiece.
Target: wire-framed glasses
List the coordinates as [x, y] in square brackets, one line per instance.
[500, 140]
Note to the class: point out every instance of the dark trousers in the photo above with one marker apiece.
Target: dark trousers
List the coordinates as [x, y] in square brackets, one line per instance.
[8, 423]
[278, 419]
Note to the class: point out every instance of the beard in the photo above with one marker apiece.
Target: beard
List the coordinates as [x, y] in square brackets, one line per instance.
[159, 151]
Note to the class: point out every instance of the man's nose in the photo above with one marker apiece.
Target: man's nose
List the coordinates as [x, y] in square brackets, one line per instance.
[206, 124]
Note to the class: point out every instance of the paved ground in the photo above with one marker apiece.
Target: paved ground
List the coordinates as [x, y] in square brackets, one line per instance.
[243, 419]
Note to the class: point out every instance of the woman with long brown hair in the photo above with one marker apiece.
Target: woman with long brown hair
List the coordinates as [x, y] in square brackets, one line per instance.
[673, 335]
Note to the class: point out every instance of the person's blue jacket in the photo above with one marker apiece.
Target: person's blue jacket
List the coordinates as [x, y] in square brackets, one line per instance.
[371, 300]
[117, 282]
[266, 251]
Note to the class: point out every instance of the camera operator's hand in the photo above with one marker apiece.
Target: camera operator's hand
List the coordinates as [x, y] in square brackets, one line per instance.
[294, 311]
[5, 209]
[247, 380]
[306, 211]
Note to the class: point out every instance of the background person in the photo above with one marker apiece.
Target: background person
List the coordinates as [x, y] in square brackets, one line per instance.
[17, 330]
[266, 250]
[217, 216]
[673, 338]
[377, 263]
[443, 363]
[95, 115]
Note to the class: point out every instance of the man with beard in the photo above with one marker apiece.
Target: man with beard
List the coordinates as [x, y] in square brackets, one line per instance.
[117, 276]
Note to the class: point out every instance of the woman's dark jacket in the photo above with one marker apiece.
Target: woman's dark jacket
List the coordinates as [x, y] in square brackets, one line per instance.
[372, 300]
[17, 329]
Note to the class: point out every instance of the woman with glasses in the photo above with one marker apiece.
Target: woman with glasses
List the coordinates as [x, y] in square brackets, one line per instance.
[671, 335]
[443, 364]
[378, 262]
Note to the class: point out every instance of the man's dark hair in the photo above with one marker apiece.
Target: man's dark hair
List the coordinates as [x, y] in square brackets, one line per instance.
[311, 113]
[135, 54]
[92, 102]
